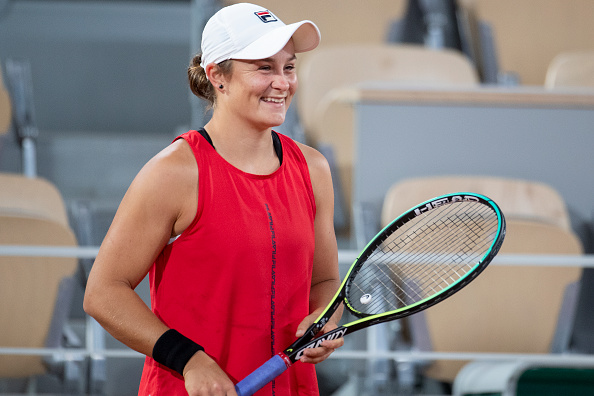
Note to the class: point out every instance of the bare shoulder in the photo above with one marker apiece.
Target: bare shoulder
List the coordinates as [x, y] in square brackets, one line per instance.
[171, 169]
[177, 153]
[319, 172]
[316, 161]
[166, 187]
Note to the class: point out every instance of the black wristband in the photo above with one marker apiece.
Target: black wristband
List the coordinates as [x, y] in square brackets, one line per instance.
[173, 350]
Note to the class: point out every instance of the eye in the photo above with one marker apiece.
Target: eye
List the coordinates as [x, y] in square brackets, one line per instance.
[265, 67]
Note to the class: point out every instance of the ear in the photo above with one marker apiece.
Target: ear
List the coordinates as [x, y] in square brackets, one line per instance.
[216, 78]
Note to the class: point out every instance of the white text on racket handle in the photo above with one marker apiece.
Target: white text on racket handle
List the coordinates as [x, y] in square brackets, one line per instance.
[332, 335]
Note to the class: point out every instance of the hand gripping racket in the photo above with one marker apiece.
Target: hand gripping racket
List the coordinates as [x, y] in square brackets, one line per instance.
[419, 259]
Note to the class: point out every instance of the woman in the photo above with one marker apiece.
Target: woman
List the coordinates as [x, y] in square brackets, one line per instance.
[233, 223]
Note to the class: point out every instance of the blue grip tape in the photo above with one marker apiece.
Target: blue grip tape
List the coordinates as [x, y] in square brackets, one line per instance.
[261, 376]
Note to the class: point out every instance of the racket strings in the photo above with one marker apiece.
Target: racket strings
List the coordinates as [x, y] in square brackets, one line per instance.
[465, 248]
[453, 272]
[424, 257]
[465, 252]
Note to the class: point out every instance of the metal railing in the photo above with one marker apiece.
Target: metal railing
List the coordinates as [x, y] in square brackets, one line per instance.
[346, 257]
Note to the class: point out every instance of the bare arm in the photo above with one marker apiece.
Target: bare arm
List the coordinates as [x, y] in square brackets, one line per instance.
[160, 203]
[157, 202]
[325, 277]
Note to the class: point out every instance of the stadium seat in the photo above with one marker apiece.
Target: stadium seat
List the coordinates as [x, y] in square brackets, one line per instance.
[571, 69]
[37, 292]
[32, 197]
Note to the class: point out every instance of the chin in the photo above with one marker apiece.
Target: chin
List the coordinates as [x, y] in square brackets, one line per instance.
[275, 122]
[270, 120]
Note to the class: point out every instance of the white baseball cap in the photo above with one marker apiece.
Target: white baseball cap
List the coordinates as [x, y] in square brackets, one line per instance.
[248, 31]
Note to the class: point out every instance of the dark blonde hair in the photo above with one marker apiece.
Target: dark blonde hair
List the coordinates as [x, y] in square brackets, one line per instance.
[199, 84]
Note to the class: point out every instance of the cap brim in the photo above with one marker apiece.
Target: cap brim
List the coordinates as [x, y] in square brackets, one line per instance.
[305, 34]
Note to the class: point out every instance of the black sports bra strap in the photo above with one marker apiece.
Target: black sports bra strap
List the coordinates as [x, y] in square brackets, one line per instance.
[206, 136]
[278, 147]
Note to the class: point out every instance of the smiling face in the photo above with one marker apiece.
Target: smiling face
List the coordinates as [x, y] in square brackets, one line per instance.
[260, 91]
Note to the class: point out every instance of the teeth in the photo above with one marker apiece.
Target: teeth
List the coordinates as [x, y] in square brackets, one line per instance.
[273, 100]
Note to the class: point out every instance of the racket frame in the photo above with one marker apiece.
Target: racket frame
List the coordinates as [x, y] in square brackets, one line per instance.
[309, 339]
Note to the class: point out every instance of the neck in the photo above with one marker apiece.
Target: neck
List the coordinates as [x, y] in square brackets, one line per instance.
[247, 148]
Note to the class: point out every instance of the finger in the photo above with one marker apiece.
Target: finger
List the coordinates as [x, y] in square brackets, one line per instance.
[330, 326]
[333, 344]
[304, 325]
[317, 357]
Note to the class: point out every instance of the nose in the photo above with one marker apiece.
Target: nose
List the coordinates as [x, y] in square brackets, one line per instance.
[280, 82]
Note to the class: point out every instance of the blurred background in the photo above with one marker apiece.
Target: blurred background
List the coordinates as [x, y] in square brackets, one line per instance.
[91, 90]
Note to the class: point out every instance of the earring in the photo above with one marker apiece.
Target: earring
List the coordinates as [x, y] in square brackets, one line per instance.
[221, 86]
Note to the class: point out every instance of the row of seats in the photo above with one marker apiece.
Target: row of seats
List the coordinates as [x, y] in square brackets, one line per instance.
[526, 34]
[327, 74]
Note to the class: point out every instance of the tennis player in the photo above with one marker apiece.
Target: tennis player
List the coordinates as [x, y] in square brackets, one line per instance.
[233, 223]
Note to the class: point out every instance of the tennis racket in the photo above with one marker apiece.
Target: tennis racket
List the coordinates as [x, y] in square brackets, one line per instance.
[419, 259]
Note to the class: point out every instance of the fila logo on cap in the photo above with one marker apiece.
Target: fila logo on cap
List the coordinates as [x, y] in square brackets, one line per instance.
[266, 16]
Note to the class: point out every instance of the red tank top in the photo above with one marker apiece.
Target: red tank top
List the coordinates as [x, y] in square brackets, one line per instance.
[237, 280]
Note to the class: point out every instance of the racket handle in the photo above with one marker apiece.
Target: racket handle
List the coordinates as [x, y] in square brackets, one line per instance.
[274, 367]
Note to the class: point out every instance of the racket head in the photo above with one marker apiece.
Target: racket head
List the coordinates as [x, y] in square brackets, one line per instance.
[425, 255]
